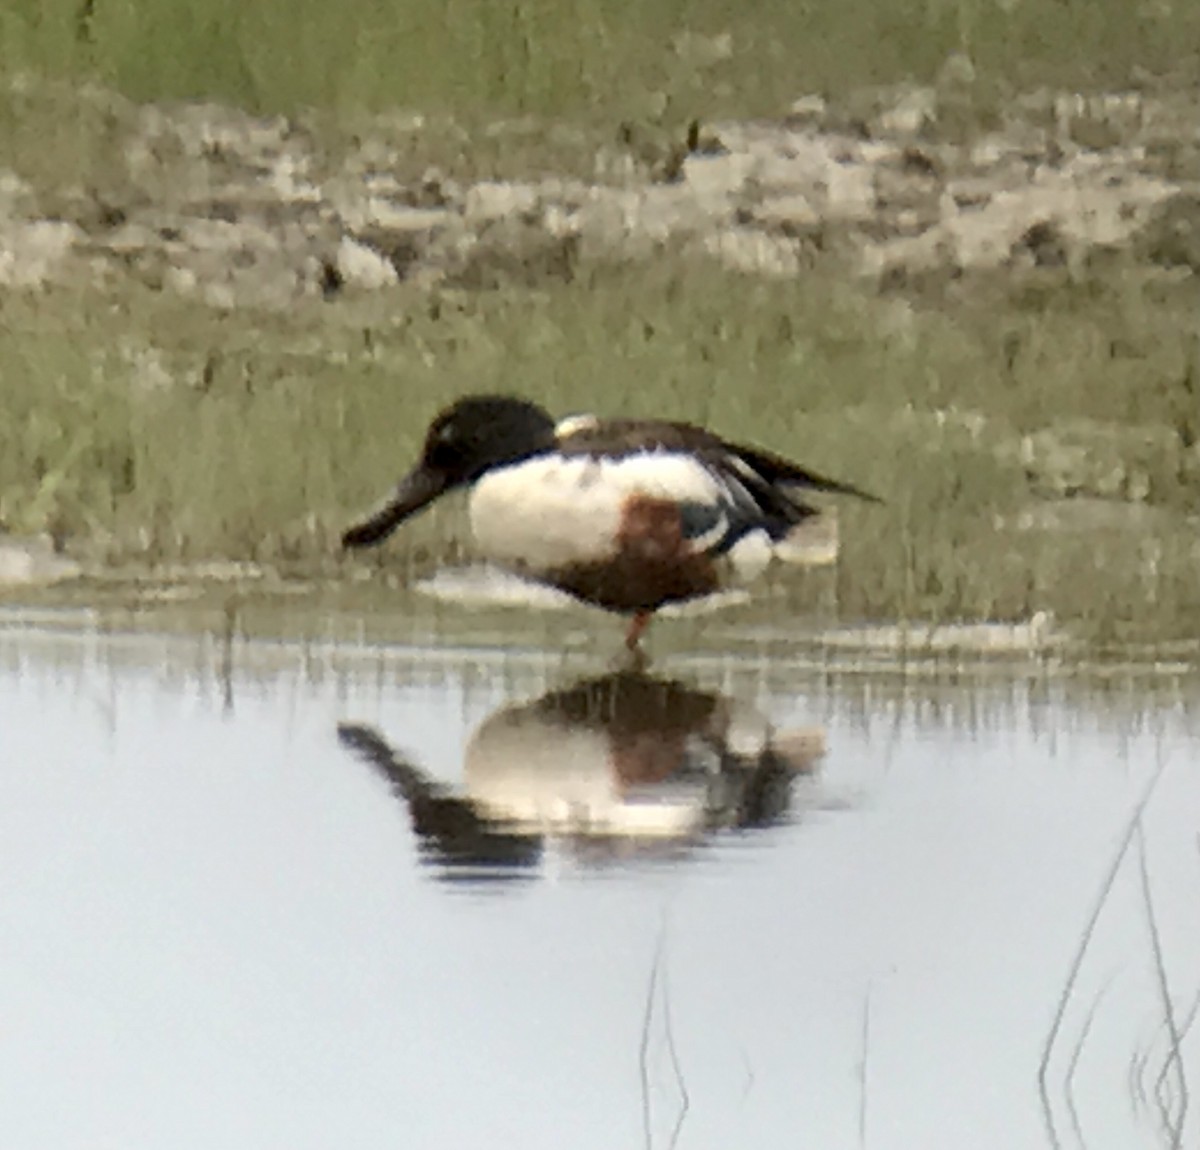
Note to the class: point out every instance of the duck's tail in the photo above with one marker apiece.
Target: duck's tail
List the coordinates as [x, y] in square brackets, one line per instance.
[813, 542]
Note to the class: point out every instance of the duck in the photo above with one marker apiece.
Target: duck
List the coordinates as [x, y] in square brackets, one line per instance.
[628, 515]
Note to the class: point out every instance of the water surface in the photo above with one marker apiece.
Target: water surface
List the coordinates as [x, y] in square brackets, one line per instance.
[225, 924]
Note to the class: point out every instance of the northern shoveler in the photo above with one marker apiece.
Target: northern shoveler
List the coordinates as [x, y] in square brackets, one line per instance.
[626, 514]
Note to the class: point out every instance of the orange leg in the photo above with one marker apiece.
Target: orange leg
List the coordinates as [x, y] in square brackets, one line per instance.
[637, 628]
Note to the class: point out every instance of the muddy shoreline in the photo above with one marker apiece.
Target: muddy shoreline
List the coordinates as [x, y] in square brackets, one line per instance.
[238, 212]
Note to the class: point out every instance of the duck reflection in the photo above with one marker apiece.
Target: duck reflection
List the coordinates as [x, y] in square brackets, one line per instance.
[616, 767]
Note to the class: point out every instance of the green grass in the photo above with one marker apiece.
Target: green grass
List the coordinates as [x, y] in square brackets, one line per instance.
[153, 430]
[144, 427]
[610, 58]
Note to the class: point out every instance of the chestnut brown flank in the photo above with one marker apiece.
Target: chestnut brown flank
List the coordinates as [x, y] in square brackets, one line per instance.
[652, 564]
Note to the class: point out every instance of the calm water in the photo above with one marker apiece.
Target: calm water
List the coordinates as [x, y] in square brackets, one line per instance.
[628, 914]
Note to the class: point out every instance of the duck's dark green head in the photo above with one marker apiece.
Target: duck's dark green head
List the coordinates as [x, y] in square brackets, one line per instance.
[473, 436]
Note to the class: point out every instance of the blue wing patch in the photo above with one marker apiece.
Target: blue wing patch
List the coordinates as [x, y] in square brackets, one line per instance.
[697, 520]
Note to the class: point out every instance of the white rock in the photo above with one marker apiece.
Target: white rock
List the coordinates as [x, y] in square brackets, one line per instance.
[28, 561]
[749, 250]
[851, 192]
[910, 113]
[30, 253]
[719, 177]
[289, 182]
[494, 200]
[364, 267]
[811, 107]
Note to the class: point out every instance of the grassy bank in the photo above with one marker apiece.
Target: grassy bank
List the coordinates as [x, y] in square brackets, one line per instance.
[604, 57]
[145, 428]
[138, 425]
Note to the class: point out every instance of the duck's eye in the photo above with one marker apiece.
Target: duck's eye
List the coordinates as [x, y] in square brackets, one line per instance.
[439, 437]
[444, 448]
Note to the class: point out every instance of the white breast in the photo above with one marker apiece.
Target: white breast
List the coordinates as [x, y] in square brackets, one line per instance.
[553, 511]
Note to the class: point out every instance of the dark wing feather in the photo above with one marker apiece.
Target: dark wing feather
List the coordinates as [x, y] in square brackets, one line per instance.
[757, 503]
[762, 487]
[618, 437]
[776, 469]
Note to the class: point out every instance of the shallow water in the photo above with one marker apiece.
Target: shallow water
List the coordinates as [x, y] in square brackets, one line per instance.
[313, 894]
